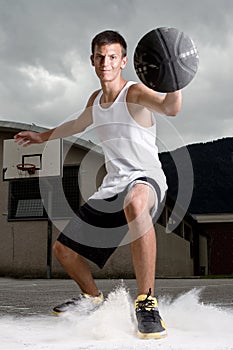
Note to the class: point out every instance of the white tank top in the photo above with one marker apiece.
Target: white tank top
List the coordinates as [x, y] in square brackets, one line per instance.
[130, 150]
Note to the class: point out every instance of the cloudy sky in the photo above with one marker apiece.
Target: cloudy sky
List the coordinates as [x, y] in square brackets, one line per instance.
[46, 76]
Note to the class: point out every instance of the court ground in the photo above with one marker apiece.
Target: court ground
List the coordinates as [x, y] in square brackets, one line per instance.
[37, 296]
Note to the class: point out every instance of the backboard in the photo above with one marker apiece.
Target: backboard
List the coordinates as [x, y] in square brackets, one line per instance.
[46, 159]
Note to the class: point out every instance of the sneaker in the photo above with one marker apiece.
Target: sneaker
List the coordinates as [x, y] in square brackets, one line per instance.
[150, 324]
[83, 304]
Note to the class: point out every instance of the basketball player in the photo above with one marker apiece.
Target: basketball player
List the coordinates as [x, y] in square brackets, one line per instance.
[132, 191]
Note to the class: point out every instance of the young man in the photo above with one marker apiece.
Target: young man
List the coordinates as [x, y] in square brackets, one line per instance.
[132, 191]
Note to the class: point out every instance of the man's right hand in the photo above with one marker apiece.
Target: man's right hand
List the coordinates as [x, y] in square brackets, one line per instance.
[26, 138]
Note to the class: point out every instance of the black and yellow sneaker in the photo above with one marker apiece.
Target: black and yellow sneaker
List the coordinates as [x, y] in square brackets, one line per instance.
[150, 324]
[83, 304]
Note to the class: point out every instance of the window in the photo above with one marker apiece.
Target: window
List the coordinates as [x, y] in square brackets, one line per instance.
[24, 200]
[30, 199]
[29, 207]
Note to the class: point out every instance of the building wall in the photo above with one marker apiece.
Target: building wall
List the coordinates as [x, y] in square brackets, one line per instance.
[24, 249]
[174, 255]
[24, 243]
[173, 259]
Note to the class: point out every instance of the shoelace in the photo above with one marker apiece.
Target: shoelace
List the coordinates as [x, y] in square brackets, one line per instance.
[74, 300]
[148, 309]
[147, 303]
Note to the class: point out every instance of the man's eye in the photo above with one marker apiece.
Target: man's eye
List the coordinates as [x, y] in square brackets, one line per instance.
[98, 57]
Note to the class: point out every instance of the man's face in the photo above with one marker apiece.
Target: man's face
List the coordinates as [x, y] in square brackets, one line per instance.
[108, 61]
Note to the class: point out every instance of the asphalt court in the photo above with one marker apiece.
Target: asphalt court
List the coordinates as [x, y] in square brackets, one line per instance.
[25, 297]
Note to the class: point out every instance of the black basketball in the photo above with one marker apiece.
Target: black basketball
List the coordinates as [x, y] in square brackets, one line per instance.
[166, 59]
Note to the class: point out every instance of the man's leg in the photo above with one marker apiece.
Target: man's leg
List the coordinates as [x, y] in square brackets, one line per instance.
[77, 268]
[138, 203]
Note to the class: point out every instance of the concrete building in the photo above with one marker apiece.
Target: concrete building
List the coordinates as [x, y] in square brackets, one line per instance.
[26, 236]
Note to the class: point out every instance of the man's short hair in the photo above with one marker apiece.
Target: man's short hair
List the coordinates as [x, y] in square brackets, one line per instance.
[109, 37]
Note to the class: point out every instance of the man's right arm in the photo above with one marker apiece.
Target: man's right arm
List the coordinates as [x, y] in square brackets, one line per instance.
[69, 128]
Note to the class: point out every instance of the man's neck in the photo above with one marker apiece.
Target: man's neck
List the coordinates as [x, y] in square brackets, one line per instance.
[111, 90]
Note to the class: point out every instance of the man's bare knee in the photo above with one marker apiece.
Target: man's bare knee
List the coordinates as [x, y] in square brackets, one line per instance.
[139, 201]
[135, 207]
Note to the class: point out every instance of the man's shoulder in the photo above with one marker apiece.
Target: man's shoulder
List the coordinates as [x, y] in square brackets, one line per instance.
[92, 98]
[134, 92]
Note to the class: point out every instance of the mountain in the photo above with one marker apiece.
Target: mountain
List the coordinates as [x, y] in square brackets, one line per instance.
[212, 181]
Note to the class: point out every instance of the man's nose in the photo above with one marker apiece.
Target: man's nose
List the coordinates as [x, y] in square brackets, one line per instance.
[105, 61]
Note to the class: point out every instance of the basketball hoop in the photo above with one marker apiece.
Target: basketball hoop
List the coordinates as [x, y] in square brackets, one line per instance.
[30, 168]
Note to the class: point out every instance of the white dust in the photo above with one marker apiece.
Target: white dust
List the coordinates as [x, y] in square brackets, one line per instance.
[191, 326]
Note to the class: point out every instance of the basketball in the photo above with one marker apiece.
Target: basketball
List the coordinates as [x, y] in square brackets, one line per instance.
[166, 59]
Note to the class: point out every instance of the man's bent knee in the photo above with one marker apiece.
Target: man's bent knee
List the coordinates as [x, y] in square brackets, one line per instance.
[139, 201]
[135, 207]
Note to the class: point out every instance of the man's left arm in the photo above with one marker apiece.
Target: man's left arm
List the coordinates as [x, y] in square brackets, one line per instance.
[168, 104]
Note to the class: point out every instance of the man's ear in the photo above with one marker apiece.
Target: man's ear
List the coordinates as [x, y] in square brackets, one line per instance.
[92, 59]
[124, 62]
